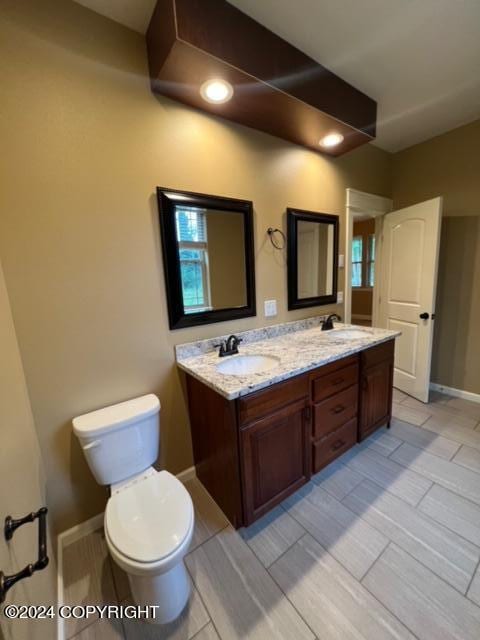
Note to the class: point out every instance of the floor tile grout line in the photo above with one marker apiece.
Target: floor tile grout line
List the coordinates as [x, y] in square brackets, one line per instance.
[444, 413]
[381, 603]
[459, 495]
[438, 435]
[286, 594]
[449, 437]
[115, 588]
[191, 550]
[425, 450]
[464, 466]
[434, 481]
[197, 589]
[96, 619]
[267, 567]
[386, 489]
[436, 524]
[197, 633]
[327, 548]
[455, 452]
[477, 568]
[350, 490]
[435, 574]
[430, 570]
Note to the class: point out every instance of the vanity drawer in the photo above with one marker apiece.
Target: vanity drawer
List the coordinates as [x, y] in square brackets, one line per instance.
[335, 411]
[262, 403]
[329, 448]
[379, 353]
[328, 384]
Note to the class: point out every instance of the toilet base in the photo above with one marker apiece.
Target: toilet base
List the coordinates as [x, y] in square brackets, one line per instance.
[168, 591]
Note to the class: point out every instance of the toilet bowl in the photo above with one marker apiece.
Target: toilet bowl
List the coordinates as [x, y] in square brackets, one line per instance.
[149, 544]
[149, 517]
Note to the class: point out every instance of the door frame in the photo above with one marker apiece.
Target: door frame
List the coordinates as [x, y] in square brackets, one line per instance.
[360, 204]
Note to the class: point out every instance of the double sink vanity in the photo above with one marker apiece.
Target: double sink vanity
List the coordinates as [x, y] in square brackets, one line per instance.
[293, 399]
[295, 396]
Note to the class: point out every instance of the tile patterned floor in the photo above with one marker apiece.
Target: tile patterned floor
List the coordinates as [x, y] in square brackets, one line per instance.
[383, 544]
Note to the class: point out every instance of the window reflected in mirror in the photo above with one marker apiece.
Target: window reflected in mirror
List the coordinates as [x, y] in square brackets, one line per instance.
[212, 258]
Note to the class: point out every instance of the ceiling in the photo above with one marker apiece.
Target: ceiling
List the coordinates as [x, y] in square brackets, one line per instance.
[420, 59]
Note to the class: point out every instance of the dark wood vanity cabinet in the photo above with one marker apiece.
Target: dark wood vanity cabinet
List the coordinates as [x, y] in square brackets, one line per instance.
[335, 407]
[251, 453]
[275, 459]
[376, 386]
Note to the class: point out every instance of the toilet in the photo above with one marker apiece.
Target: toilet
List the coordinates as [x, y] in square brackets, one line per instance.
[149, 516]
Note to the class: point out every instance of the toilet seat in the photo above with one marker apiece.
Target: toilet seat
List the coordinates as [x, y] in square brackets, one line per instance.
[149, 521]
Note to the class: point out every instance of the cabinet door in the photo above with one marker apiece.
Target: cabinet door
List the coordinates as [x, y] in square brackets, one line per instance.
[375, 397]
[275, 458]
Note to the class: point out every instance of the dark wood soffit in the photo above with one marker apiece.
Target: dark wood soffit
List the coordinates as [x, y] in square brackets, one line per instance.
[278, 89]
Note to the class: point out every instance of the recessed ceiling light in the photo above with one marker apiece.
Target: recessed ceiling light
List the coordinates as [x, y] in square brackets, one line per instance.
[216, 91]
[331, 140]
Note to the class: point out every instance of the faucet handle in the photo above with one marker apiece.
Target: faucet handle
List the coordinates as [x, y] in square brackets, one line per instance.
[223, 348]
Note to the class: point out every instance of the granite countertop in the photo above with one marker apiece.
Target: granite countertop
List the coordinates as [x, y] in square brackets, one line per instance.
[299, 346]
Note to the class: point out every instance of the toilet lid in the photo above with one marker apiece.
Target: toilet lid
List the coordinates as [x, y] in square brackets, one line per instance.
[150, 519]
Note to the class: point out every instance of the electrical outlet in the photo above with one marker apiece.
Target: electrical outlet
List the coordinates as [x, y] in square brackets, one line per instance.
[341, 261]
[270, 308]
[339, 297]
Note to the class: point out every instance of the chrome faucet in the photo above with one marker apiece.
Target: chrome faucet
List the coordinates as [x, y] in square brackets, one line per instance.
[328, 324]
[228, 347]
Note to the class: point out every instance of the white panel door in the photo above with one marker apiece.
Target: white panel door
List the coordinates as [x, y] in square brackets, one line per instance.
[411, 239]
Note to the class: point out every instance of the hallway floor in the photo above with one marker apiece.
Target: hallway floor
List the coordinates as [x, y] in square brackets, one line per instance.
[384, 543]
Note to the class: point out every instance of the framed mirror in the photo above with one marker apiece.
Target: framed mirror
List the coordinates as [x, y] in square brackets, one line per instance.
[312, 245]
[208, 257]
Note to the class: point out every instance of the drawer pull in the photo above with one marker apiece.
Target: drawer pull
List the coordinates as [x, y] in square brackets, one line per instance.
[336, 445]
[337, 381]
[338, 409]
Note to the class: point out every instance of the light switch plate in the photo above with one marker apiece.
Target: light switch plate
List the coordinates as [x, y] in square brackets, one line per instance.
[341, 261]
[270, 308]
[339, 297]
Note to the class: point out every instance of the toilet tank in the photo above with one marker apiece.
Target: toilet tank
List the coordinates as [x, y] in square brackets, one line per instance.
[121, 440]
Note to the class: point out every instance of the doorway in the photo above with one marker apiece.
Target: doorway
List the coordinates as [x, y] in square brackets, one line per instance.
[363, 238]
[363, 270]
[393, 257]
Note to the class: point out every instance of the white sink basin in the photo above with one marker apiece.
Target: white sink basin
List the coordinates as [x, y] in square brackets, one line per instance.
[347, 334]
[243, 365]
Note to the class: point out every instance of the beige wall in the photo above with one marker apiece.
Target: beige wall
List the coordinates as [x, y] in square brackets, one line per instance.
[84, 144]
[449, 166]
[22, 486]
[226, 259]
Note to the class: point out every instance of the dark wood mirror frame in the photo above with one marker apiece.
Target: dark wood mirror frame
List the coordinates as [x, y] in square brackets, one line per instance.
[293, 217]
[167, 200]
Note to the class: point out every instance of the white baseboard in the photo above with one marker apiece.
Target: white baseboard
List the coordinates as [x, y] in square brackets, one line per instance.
[457, 393]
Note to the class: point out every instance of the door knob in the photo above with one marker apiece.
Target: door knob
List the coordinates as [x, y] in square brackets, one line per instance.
[424, 315]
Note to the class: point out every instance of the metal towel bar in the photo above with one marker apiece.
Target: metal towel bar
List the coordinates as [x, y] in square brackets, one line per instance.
[11, 525]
